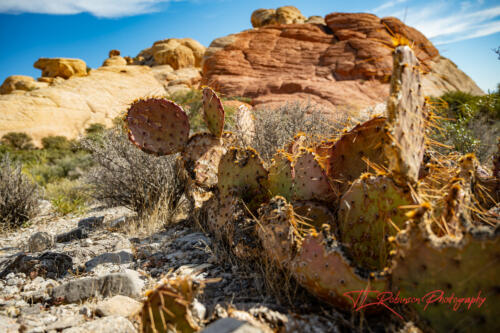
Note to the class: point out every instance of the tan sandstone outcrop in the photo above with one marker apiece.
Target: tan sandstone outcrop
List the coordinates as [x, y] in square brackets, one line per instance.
[282, 15]
[178, 53]
[61, 67]
[20, 82]
[345, 67]
[115, 59]
[67, 107]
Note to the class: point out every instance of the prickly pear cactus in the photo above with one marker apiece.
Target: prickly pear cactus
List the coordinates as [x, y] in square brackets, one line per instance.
[214, 112]
[281, 176]
[321, 267]
[314, 214]
[369, 214]
[444, 272]
[311, 181]
[406, 116]
[202, 156]
[343, 159]
[242, 171]
[157, 126]
[167, 308]
[278, 231]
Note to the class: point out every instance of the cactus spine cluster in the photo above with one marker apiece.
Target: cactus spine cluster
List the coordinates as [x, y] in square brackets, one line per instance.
[408, 226]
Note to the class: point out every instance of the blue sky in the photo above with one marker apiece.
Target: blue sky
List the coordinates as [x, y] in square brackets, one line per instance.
[464, 31]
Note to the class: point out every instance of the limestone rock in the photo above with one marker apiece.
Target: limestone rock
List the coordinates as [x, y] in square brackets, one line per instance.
[118, 305]
[231, 325]
[178, 53]
[62, 67]
[76, 103]
[40, 241]
[282, 15]
[91, 223]
[107, 285]
[345, 68]
[49, 264]
[20, 82]
[110, 324]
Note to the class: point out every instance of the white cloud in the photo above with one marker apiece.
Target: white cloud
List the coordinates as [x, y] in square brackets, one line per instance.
[445, 23]
[388, 4]
[100, 8]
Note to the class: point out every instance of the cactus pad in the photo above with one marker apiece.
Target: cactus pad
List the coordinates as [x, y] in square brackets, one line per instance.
[278, 231]
[281, 176]
[314, 214]
[157, 126]
[406, 116]
[369, 213]
[214, 112]
[311, 181]
[167, 308]
[202, 156]
[460, 267]
[320, 267]
[343, 159]
[242, 171]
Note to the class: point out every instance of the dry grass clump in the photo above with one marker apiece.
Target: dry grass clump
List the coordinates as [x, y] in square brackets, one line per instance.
[18, 195]
[275, 128]
[125, 176]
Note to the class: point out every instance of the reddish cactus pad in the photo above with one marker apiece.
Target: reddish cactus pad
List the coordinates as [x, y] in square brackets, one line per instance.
[214, 112]
[157, 126]
[343, 159]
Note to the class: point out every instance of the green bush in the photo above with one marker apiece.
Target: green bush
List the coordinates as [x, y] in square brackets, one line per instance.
[17, 140]
[67, 196]
[56, 143]
[18, 195]
[468, 123]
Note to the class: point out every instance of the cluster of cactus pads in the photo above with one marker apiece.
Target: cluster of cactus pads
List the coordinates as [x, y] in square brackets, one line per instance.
[373, 209]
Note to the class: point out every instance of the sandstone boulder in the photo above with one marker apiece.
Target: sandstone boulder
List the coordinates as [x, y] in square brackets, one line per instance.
[113, 53]
[115, 61]
[20, 82]
[282, 15]
[61, 67]
[316, 20]
[178, 53]
[67, 107]
[345, 67]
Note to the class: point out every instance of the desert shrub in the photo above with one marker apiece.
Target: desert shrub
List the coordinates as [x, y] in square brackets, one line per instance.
[275, 128]
[95, 131]
[17, 140]
[18, 195]
[124, 175]
[468, 123]
[67, 196]
[52, 166]
[56, 142]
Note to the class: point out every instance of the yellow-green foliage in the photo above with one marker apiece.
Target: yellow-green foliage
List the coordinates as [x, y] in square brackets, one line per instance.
[468, 122]
[67, 196]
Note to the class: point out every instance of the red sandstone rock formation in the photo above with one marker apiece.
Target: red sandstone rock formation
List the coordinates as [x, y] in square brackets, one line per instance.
[344, 65]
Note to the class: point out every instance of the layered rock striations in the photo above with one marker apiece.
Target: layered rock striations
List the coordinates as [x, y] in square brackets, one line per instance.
[344, 65]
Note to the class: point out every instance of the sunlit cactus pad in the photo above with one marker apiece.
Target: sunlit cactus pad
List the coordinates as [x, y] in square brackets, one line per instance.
[214, 112]
[157, 126]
